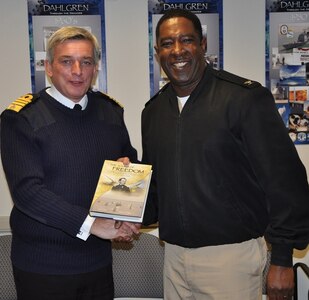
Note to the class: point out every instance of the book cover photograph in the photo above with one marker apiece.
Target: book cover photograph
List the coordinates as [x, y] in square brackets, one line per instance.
[121, 192]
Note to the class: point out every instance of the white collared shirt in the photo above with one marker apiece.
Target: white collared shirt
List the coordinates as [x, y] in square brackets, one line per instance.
[52, 91]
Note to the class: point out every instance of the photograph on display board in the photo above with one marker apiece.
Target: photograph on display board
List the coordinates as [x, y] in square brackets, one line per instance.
[287, 64]
[45, 17]
[293, 36]
[210, 14]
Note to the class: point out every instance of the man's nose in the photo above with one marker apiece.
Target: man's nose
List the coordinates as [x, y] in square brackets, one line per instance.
[76, 68]
[178, 48]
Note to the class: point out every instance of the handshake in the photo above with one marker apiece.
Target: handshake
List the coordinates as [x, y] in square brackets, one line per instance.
[114, 230]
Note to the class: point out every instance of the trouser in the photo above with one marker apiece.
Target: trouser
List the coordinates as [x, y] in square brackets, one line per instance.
[225, 272]
[97, 285]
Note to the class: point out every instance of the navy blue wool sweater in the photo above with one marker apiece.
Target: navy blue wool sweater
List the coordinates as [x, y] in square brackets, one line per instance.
[52, 157]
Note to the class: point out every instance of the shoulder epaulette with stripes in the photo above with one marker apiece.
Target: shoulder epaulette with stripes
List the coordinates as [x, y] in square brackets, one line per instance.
[22, 102]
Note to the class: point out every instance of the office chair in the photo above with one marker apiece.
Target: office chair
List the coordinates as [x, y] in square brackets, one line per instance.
[7, 285]
[265, 272]
[138, 268]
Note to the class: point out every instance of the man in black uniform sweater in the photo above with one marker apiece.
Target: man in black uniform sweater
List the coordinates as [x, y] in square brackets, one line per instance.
[52, 156]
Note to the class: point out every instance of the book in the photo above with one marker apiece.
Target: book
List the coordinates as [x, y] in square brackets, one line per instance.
[121, 192]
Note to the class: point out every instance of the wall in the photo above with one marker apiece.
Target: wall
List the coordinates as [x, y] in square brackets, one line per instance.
[127, 57]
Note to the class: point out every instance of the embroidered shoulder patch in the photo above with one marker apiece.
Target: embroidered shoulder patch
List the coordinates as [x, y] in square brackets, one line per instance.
[21, 102]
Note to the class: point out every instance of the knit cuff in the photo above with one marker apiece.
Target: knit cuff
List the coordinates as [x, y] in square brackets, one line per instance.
[281, 255]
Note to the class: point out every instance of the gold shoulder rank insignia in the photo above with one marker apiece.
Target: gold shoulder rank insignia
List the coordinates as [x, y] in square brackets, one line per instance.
[21, 102]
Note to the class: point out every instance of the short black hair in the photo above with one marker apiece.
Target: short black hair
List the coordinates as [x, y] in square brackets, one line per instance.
[177, 12]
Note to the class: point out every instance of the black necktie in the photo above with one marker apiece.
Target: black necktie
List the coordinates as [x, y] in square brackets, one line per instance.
[77, 107]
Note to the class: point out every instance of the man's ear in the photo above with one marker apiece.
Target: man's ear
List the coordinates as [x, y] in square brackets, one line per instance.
[157, 57]
[204, 44]
[48, 68]
[95, 74]
[156, 48]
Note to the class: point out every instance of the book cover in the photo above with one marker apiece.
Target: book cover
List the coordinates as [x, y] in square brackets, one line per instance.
[121, 191]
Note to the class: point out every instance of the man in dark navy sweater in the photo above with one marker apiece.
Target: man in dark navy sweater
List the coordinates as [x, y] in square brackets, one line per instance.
[52, 156]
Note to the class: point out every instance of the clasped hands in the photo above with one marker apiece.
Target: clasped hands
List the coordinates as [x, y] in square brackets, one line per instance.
[128, 229]
[114, 230]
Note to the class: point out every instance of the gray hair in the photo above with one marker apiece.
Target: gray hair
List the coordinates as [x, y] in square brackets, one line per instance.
[72, 33]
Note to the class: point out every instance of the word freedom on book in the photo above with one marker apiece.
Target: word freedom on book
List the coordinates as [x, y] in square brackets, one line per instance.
[127, 170]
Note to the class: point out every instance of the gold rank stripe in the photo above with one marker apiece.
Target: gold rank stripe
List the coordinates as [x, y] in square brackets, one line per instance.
[21, 102]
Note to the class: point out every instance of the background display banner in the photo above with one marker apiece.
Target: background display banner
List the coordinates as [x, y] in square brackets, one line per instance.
[46, 16]
[287, 63]
[210, 15]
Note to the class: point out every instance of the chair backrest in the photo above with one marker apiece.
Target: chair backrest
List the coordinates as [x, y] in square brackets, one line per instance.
[265, 272]
[138, 267]
[7, 285]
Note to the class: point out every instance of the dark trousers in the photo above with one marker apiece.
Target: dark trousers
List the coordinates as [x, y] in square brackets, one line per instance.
[97, 285]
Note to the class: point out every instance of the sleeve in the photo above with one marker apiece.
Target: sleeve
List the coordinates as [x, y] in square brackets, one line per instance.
[281, 174]
[128, 149]
[23, 166]
[151, 210]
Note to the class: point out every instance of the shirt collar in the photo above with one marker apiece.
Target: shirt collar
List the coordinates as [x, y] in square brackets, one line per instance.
[52, 91]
